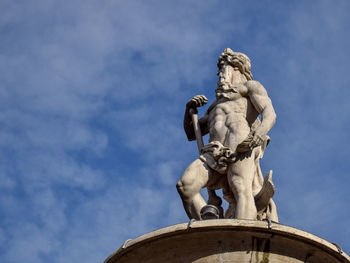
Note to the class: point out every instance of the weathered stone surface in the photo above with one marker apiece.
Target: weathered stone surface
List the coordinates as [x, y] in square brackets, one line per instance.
[227, 240]
[237, 141]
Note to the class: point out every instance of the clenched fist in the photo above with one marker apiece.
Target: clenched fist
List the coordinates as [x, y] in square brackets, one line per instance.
[253, 140]
[196, 101]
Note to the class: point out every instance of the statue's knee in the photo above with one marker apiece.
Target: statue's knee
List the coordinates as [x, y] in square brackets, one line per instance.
[241, 190]
[182, 187]
[179, 186]
[237, 186]
[245, 194]
[186, 188]
[187, 179]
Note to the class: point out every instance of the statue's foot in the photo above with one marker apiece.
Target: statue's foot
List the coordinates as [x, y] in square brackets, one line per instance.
[215, 201]
[209, 212]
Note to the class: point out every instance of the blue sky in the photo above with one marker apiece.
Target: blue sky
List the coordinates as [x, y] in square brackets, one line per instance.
[92, 96]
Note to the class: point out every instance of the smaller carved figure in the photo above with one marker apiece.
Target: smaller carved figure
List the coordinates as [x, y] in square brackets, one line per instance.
[237, 141]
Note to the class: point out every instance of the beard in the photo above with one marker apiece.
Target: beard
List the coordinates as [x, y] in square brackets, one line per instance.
[225, 90]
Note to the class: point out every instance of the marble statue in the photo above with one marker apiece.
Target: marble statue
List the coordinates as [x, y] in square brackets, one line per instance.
[237, 141]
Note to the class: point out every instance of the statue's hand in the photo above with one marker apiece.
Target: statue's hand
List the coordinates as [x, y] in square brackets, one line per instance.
[245, 145]
[253, 140]
[256, 141]
[196, 101]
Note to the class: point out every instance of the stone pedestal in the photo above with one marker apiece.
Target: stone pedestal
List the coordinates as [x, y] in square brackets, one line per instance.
[228, 240]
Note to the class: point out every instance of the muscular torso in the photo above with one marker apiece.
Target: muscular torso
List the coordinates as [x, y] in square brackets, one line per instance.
[230, 120]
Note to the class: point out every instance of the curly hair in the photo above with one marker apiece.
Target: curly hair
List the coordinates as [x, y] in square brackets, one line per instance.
[236, 59]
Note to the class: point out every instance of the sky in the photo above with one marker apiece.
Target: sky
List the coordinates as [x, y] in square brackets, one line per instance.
[92, 98]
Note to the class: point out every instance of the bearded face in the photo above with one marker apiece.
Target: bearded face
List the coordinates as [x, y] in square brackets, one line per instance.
[228, 63]
[224, 86]
[225, 74]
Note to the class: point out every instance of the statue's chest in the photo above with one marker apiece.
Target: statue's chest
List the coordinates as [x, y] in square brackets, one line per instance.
[237, 105]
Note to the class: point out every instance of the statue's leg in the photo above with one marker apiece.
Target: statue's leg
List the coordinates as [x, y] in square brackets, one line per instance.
[215, 200]
[229, 197]
[240, 178]
[195, 177]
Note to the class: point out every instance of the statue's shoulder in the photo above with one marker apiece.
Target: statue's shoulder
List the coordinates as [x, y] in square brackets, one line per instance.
[254, 86]
[212, 106]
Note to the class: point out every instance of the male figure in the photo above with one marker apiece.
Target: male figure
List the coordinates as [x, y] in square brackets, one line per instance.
[237, 139]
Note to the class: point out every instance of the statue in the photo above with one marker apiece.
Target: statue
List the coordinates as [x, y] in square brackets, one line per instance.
[237, 141]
